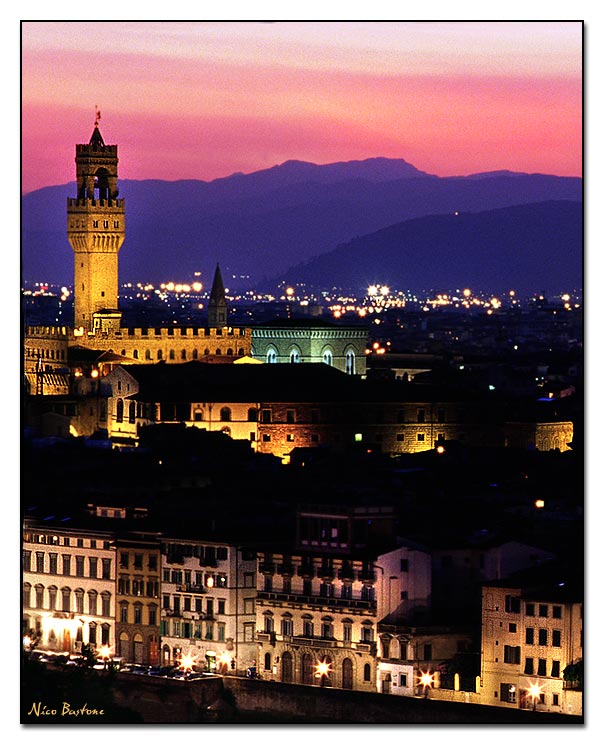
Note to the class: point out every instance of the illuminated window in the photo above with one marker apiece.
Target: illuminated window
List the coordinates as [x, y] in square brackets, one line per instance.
[350, 362]
[294, 356]
[421, 437]
[508, 693]
[328, 357]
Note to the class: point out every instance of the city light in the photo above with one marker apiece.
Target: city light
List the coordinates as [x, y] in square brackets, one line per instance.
[534, 691]
[539, 504]
[186, 662]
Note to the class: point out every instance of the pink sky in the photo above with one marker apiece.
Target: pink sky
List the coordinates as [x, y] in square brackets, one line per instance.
[206, 99]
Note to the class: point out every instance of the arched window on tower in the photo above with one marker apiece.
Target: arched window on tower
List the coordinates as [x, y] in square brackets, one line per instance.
[350, 362]
[132, 413]
[119, 411]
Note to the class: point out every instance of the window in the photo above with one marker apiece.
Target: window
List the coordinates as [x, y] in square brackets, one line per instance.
[557, 612]
[221, 628]
[511, 654]
[40, 562]
[543, 636]
[543, 610]
[385, 648]
[290, 416]
[404, 564]
[271, 356]
[287, 626]
[93, 602]
[530, 609]
[52, 597]
[249, 606]
[66, 565]
[327, 357]
[512, 604]
[106, 568]
[124, 560]
[138, 614]
[119, 411]
[555, 699]
[225, 414]
[400, 437]
[39, 596]
[27, 560]
[421, 416]
[541, 668]
[79, 565]
[307, 628]
[124, 612]
[421, 437]
[350, 362]
[528, 666]
[555, 669]
[294, 356]
[402, 680]
[427, 652]
[556, 638]
[507, 693]
[132, 412]
[347, 631]
[512, 627]
[53, 560]
[221, 606]
[266, 437]
[106, 604]
[66, 599]
[92, 567]
[265, 416]
[326, 629]
[530, 636]
[366, 634]
[367, 673]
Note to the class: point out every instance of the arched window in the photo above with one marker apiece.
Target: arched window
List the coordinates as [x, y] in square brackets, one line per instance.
[147, 353]
[92, 633]
[195, 353]
[328, 357]
[240, 352]
[267, 662]
[229, 352]
[385, 647]
[79, 601]
[160, 354]
[252, 414]
[287, 667]
[206, 352]
[269, 622]
[218, 352]
[52, 598]
[347, 674]
[39, 596]
[350, 362]
[271, 356]
[367, 673]
[119, 411]
[294, 356]
[135, 353]
[183, 354]
[132, 412]
[225, 414]
[26, 595]
[172, 355]
[308, 670]
[93, 603]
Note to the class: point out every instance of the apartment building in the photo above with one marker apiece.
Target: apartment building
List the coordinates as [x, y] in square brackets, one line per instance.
[532, 630]
[69, 589]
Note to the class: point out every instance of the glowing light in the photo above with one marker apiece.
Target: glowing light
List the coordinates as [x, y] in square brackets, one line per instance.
[539, 504]
[426, 679]
[440, 449]
[26, 642]
[534, 691]
[565, 297]
[210, 582]
[467, 292]
[337, 314]
[186, 662]
[362, 312]
[94, 373]
[512, 293]
[105, 652]
[372, 290]
[170, 286]
[289, 291]
[225, 658]
[197, 286]
[385, 291]
[496, 303]
[323, 669]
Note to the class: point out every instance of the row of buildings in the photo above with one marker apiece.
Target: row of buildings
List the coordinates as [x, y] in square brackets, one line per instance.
[326, 610]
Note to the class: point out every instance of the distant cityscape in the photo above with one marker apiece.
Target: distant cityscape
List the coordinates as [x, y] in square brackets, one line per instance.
[369, 497]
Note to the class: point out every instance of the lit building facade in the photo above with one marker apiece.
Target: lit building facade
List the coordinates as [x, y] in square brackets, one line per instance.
[69, 589]
[207, 608]
[316, 620]
[298, 340]
[137, 623]
[530, 635]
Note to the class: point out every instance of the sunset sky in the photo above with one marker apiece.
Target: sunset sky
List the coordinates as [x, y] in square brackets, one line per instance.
[206, 99]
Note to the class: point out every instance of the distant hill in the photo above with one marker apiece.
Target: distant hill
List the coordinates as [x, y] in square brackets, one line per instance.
[262, 223]
[528, 248]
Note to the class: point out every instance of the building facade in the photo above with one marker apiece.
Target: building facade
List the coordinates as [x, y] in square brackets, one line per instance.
[69, 587]
[530, 635]
[207, 610]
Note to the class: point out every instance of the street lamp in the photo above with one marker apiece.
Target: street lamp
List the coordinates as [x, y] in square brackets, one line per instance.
[426, 680]
[534, 692]
[323, 670]
[105, 654]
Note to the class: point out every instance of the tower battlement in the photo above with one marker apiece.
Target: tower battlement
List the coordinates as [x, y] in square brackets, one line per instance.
[88, 202]
[101, 149]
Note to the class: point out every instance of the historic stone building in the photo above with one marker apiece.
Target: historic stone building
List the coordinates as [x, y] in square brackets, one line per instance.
[69, 586]
[208, 593]
[302, 340]
[532, 630]
[137, 598]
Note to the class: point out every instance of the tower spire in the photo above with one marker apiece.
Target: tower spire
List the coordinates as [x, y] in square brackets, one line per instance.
[217, 307]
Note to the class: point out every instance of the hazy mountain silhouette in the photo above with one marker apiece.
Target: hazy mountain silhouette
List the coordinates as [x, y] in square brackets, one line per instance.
[528, 248]
[262, 223]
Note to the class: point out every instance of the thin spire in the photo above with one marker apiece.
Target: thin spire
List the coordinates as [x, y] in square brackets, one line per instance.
[97, 137]
[217, 293]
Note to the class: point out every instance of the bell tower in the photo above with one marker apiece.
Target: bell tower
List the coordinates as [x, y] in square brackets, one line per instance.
[96, 231]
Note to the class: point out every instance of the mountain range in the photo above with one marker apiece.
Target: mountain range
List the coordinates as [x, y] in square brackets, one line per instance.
[338, 224]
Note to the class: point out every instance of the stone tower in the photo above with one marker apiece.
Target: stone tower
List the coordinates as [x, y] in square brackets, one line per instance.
[96, 231]
[217, 307]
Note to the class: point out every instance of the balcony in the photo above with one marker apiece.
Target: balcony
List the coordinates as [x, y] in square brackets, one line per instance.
[266, 637]
[192, 588]
[317, 601]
